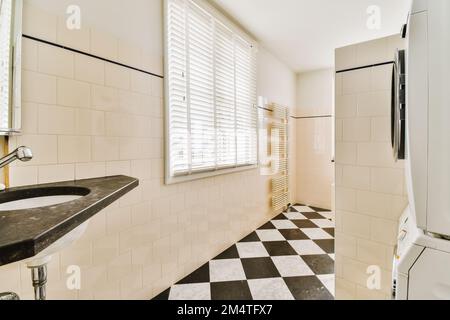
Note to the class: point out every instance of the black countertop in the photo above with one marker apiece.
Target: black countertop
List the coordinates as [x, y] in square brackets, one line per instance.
[25, 233]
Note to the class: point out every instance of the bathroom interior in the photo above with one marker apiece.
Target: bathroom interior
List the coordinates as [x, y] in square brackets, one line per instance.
[212, 150]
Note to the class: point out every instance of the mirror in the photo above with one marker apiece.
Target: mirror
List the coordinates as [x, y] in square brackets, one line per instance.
[10, 66]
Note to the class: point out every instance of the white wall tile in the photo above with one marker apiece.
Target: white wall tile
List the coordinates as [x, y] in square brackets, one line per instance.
[356, 130]
[370, 194]
[345, 290]
[363, 293]
[384, 231]
[104, 98]
[90, 170]
[390, 181]
[30, 117]
[358, 81]
[346, 245]
[56, 120]
[130, 102]
[73, 38]
[356, 177]
[378, 78]
[345, 199]
[153, 63]
[44, 149]
[118, 167]
[39, 88]
[56, 173]
[55, 61]
[338, 84]
[104, 45]
[157, 87]
[73, 93]
[346, 57]
[117, 76]
[381, 129]
[105, 149]
[90, 122]
[10, 278]
[339, 130]
[89, 69]
[74, 149]
[38, 23]
[23, 176]
[346, 106]
[374, 203]
[29, 54]
[356, 225]
[373, 52]
[141, 169]
[374, 103]
[129, 54]
[141, 82]
[373, 252]
[346, 152]
[376, 154]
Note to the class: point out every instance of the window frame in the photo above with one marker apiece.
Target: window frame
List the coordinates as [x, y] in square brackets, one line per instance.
[169, 179]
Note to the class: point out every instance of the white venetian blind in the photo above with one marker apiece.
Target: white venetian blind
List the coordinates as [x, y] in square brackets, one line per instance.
[211, 93]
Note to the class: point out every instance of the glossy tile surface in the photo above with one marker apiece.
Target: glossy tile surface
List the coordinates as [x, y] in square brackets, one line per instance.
[288, 258]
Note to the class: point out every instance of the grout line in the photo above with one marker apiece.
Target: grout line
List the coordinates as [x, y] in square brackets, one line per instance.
[91, 55]
[365, 67]
[312, 117]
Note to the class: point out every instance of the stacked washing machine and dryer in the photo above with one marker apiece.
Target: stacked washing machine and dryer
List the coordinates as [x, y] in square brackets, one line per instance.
[421, 136]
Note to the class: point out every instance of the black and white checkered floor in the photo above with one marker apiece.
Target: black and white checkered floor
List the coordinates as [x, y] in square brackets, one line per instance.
[288, 258]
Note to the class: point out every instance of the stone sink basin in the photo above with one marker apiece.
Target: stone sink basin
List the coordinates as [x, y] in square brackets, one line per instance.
[27, 199]
[38, 221]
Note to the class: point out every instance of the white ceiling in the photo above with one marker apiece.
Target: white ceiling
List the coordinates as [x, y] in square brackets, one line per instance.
[304, 33]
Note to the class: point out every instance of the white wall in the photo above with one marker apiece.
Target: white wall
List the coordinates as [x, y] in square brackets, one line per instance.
[136, 21]
[276, 81]
[75, 109]
[315, 93]
[314, 147]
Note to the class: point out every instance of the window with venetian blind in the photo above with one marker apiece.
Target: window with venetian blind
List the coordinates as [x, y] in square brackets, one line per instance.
[211, 94]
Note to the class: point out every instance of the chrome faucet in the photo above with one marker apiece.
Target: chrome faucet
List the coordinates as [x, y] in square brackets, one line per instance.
[23, 154]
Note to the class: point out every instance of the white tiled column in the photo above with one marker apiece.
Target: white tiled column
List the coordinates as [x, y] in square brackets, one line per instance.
[370, 188]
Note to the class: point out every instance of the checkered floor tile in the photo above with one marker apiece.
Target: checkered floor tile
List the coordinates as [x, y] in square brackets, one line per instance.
[288, 258]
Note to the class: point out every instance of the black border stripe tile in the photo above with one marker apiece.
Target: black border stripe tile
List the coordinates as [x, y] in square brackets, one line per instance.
[366, 67]
[90, 55]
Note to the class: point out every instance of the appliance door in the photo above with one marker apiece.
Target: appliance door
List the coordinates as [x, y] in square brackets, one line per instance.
[398, 106]
[429, 278]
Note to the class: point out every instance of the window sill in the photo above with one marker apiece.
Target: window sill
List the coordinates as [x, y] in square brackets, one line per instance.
[198, 176]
